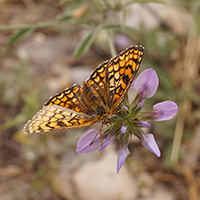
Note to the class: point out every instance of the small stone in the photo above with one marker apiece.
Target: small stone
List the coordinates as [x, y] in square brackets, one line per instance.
[96, 179]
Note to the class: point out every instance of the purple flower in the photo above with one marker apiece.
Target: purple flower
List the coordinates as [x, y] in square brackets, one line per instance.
[106, 142]
[132, 85]
[87, 143]
[146, 83]
[141, 103]
[164, 111]
[149, 142]
[124, 108]
[122, 154]
[123, 129]
[144, 124]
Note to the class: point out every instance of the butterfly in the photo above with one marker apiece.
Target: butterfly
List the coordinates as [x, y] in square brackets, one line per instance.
[96, 100]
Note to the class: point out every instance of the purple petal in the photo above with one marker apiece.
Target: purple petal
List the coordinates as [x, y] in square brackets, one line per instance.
[132, 85]
[144, 124]
[84, 144]
[141, 103]
[164, 111]
[123, 129]
[124, 107]
[147, 83]
[149, 142]
[122, 154]
[106, 142]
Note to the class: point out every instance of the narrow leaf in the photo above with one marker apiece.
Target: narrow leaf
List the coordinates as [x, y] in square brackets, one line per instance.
[84, 44]
[20, 34]
[144, 1]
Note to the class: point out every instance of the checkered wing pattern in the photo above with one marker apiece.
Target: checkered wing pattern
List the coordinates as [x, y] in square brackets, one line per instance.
[79, 106]
[54, 118]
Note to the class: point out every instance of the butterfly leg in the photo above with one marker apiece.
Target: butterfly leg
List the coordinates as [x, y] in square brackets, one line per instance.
[119, 111]
[100, 136]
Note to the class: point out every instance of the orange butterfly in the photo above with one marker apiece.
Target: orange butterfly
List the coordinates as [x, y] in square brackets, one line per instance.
[96, 101]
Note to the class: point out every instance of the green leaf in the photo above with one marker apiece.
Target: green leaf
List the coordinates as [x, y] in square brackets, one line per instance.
[19, 35]
[67, 14]
[84, 44]
[143, 1]
[118, 27]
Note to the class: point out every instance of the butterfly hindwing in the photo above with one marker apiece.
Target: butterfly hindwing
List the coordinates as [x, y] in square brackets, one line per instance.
[54, 118]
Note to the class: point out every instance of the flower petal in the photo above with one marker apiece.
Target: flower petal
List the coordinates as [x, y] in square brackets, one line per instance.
[149, 142]
[123, 129]
[84, 144]
[122, 154]
[106, 142]
[147, 83]
[131, 85]
[141, 104]
[144, 124]
[164, 111]
[124, 108]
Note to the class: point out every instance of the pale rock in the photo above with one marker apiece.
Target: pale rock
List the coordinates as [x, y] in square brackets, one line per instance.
[152, 15]
[160, 193]
[96, 178]
[59, 77]
[138, 14]
[152, 190]
[146, 184]
[163, 193]
[43, 51]
[80, 74]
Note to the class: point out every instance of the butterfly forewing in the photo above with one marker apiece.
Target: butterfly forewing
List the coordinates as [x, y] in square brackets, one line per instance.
[98, 81]
[54, 118]
[121, 73]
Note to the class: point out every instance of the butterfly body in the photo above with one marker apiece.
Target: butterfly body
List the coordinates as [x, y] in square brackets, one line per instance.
[96, 101]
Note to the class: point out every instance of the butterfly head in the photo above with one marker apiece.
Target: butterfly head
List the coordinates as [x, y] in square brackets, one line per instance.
[105, 119]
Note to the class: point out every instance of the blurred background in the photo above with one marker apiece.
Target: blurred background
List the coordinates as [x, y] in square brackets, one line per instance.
[46, 46]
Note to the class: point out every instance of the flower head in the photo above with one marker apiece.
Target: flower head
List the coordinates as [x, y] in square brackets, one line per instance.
[130, 120]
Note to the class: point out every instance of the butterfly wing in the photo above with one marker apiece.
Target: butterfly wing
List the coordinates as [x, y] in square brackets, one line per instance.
[54, 118]
[97, 80]
[113, 78]
[72, 98]
[122, 70]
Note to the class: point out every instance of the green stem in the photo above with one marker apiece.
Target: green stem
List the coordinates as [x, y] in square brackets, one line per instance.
[58, 22]
[111, 45]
